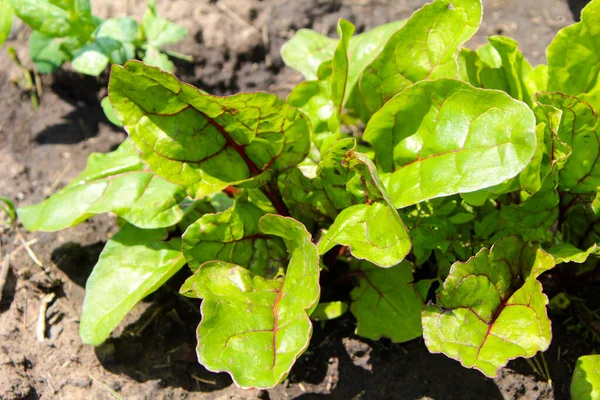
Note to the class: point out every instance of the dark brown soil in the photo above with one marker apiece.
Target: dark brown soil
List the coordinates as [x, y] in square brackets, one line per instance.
[151, 355]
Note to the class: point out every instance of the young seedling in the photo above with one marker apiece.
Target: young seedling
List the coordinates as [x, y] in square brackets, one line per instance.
[67, 31]
[472, 163]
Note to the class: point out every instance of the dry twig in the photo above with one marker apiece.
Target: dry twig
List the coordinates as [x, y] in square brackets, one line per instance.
[41, 326]
[4, 274]
[231, 14]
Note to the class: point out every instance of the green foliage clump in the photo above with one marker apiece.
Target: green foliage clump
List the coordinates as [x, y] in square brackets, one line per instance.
[66, 30]
[473, 167]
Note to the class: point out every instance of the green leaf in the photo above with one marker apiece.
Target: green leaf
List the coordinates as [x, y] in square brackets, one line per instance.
[6, 20]
[339, 64]
[469, 64]
[438, 138]
[580, 221]
[566, 253]
[578, 130]
[329, 311]
[573, 57]
[43, 16]
[363, 49]
[113, 42]
[109, 111]
[491, 308]
[115, 182]
[373, 231]
[233, 236]
[254, 328]
[585, 384]
[322, 100]
[116, 37]
[425, 48]
[533, 218]
[313, 99]
[201, 142]
[134, 263]
[57, 18]
[155, 58]
[158, 30]
[540, 77]
[340, 183]
[514, 75]
[532, 177]
[306, 198]
[8, 208]
[46, 52]
[306, 51]
[593, 99]
[91, 60]
[386, 303]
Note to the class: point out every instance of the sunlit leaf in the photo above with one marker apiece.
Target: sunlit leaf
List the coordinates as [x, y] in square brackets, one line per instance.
[6, 20]
[491, 308]
[234, 236]
[115, 182]
[134, 263]
[573, 57]
[443, 137]
[585, 384]
[426, 47]
[578, 130]
[373, 231]
[251, 327]
[201, 142]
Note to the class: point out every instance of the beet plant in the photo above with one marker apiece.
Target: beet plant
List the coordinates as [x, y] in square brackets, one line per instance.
[403, 152]
[66, 30]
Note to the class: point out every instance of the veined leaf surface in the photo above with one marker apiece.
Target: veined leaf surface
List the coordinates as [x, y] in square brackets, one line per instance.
[202, 142]
[438, 138]
[234, 236]
[492, 308]
[573, 56]
[255, 328]
[425, 48]
[386, 303]
[578, 130]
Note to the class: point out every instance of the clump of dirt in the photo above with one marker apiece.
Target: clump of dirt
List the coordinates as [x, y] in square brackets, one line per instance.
[235, 45]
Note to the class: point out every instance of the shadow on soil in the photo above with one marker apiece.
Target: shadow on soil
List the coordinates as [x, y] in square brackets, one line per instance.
[576, 6]
[82, 122]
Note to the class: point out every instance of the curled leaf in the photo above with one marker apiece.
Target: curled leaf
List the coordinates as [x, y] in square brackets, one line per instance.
[491, 308]
[566, 253]
[233, 236]
[426, 47]
[255, 328]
